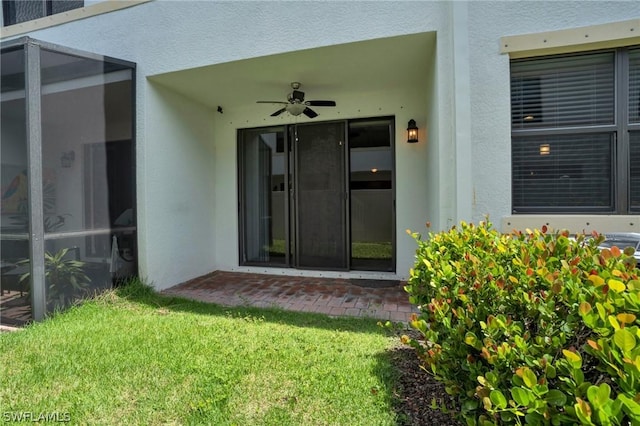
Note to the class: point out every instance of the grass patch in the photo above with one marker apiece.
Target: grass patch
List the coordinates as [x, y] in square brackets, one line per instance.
[132, 356]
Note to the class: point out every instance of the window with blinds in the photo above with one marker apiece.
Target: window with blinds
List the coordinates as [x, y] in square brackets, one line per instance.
[634, 129]
[575, 144]
[634, 86]
[18, 11]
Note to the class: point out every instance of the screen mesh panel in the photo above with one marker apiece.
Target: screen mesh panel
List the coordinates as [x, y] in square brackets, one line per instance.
[321, 195]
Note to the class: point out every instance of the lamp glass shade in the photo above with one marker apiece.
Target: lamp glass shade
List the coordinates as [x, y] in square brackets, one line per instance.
[545, 149]
[412, 132]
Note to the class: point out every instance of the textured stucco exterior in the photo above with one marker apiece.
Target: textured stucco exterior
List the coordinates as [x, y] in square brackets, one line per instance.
[186, 151]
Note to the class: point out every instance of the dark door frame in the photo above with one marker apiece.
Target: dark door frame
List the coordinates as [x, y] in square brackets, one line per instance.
[290, 199]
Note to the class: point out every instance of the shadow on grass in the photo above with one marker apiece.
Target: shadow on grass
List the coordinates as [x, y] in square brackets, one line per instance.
[403, 388]
[408, 390]
[138, 292]
[387, 364]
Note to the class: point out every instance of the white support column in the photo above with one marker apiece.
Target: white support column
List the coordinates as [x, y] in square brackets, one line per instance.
[462, 112]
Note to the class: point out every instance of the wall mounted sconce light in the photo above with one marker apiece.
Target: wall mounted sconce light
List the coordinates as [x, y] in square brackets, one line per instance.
[412, 132]
[545, 149]
[67, 158]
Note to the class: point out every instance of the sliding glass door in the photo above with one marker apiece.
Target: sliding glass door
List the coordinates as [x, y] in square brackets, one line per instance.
[318, 195]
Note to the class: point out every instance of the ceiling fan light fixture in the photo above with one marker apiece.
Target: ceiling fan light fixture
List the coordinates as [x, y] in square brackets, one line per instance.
[296, 105]
[296, 109]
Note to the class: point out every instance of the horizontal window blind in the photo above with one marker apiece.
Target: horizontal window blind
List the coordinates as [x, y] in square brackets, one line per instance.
[562, 172]
[18, 11]
[576, 132]
[634, 86]
[565, 91]
[60, 6]
[634, 170]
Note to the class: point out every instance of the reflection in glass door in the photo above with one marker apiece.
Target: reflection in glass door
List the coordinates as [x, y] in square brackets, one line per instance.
[371, 194]
[264, 196]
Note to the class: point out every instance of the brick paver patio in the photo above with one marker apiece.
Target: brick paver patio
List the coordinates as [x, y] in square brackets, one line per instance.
[385, 300]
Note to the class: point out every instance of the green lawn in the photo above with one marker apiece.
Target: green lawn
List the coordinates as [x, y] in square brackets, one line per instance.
[134, 357]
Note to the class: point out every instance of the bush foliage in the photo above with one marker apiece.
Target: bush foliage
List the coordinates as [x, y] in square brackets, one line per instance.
[531, 327]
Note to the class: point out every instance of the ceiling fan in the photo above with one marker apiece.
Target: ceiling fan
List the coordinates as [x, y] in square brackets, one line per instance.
[296, 105]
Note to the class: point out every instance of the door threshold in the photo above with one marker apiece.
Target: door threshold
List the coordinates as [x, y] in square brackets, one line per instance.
[349, 275]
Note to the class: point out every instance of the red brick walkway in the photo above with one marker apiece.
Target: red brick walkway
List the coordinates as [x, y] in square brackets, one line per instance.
[331, 296]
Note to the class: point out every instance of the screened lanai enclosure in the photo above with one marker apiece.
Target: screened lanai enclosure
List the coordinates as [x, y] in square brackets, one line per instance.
[68, 217]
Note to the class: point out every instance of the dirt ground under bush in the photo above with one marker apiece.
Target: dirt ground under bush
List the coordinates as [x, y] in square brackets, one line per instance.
[416, 390]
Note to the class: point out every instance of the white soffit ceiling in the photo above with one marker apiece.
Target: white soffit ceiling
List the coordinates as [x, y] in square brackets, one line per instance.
[325, 73]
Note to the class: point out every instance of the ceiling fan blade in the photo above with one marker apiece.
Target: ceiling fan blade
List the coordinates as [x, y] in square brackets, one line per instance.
[310, 113]
[271, 102]
[321, 103]
[278, 112]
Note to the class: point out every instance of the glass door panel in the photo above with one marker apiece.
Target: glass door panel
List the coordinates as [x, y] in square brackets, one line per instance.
[320, 196]
[371, 194]
[264, 196]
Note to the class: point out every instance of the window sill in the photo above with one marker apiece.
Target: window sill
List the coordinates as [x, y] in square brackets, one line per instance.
[573, 222]
[106, 6]
[616, 34]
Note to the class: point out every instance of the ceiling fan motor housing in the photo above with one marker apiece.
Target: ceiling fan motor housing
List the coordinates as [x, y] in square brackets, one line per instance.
[296, 95]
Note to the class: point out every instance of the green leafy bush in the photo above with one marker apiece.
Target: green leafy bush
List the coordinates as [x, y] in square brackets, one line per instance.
[533, 327]
[66, 278]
